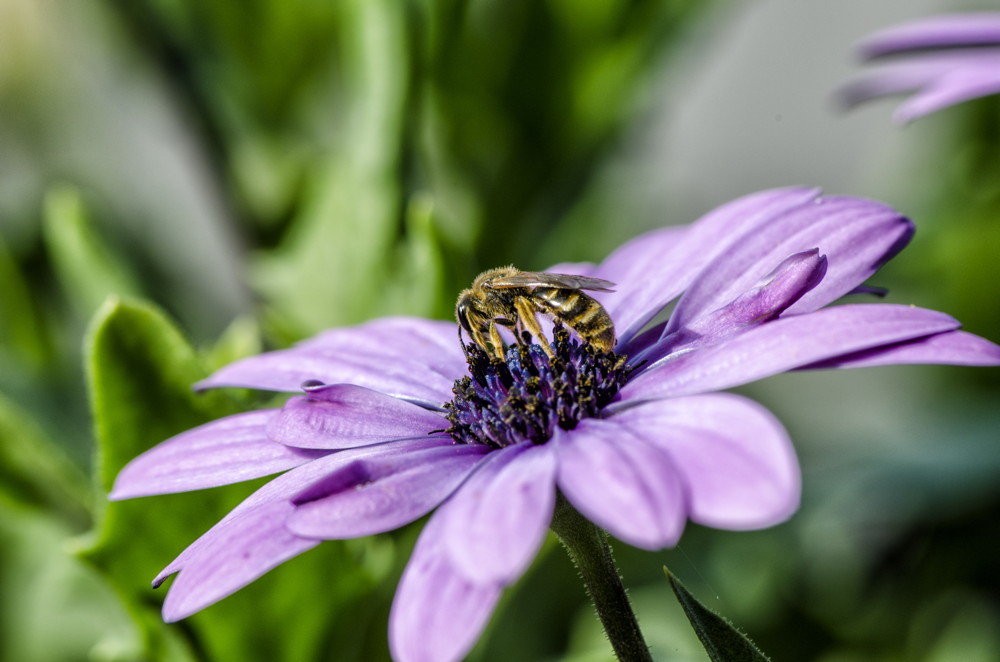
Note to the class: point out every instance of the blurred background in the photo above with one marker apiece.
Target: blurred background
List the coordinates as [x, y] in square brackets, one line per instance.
[238, 176]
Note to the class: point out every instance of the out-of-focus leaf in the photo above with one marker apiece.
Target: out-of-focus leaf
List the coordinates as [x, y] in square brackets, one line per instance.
[957, 626]
[721, 639]
[240, 340]
[87, 269]
[33, 471]
[52, 607]
[139, 372]
[22, 341]
[333, 267]
[418, 277]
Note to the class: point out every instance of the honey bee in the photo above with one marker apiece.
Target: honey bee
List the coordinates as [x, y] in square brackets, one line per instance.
[512, 298]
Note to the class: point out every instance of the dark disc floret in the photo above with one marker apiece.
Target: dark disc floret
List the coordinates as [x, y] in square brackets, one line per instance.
[524, 397]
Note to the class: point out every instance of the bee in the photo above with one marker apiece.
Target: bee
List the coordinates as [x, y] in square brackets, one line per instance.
[512, 298]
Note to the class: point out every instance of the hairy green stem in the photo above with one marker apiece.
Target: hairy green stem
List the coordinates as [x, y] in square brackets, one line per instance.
[588, 547]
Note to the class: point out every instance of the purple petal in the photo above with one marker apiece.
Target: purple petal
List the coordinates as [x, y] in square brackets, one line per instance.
[498, 519]
[252, 539]
[346, 416]
[975, 80]
[949, 348]
[381, 493]
[795, 276]
[437, 614]
[736, 460]
[411, 358]
[622, 483]
[225, 451]
[857, 236]
[948, 30]
[784, 344]
[652, 269]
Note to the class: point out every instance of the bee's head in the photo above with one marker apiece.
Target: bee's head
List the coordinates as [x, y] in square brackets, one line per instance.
[466, 312]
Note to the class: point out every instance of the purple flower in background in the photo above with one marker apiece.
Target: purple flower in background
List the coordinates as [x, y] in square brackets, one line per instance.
[943, 60]
[392, 420]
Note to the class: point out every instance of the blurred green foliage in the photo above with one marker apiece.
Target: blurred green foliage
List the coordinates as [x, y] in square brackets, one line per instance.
[303, 164]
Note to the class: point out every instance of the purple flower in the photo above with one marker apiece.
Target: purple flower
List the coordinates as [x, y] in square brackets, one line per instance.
[392, 421]
[943, 59]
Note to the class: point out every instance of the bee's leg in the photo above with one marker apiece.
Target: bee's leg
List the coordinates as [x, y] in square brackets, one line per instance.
[526, 316]
[496, 340]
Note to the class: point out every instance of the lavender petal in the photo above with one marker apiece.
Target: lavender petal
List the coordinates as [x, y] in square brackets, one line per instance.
[857, 237]
[943, 31]
[949, 348]
[653, 269]
[252, 538]
[622, 483]
[345, 416]
[229, 450]
[735, 458]
[381, 493]
[438, 613]
[795, 276]
[782, 345]
[495, 523]
[411, 358]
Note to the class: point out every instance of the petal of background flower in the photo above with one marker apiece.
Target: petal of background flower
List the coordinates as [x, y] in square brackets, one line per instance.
[225, 451]
[736, 459]
[652, 269]
[949, 348]
[964, 29]
[412, 358]
[252, 539]
[437, 614]
[622, 483]
[974, 80]
[344, 416]
[782, 345]
[381, 493]
[497, 520]
[857, 237]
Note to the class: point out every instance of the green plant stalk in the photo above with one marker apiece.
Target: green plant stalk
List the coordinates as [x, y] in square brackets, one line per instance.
[587, 546]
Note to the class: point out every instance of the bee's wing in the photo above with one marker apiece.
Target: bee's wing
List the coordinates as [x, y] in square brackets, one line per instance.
[544, 279]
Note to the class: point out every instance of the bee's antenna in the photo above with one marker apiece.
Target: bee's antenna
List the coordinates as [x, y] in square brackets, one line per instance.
[461, 341]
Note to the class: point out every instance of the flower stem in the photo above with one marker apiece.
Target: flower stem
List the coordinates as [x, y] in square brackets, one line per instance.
[589, 550]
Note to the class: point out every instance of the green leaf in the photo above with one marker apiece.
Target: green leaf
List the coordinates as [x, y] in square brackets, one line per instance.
[140, 369]
[240, 340]
[721, 639]
[86, 267]
[22, 341]
[35, 472]
[53, 608]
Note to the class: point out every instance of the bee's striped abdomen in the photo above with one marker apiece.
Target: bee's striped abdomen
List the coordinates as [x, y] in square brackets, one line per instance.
[579, 312]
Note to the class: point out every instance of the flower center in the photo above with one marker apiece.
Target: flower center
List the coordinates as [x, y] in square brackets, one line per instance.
[524, 397]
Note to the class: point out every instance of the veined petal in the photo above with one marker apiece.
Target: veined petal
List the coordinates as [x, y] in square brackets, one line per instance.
[411, 358]
[736, 459]
[857, 237]
[622, 483]
[252, 539]
[438, 613]
[498, 519]
[384, 492]
[229, 450]
[654, 268]
[344, 416]
[948, 348]
[943, 31]
[782, 345]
